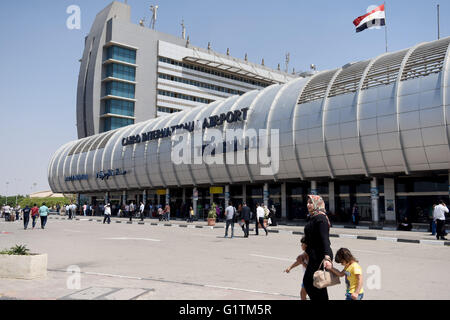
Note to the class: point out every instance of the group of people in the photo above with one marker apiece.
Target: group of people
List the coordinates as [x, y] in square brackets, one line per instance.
[317, 254]
[35, 213]
[244, 215]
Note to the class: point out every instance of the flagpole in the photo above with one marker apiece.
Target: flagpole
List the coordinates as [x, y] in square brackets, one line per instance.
[385, 27]
[438, 22]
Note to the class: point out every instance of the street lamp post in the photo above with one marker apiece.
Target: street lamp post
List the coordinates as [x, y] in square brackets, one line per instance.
[7, 192]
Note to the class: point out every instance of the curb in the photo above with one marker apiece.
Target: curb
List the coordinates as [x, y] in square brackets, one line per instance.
[291, 232]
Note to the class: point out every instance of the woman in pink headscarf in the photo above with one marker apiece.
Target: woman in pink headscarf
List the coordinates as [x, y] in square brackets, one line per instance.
[317, 237]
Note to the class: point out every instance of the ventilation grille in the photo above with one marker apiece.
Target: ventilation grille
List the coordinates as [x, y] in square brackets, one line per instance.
[97, 142]
[385, 70]
[317, 87]
[91, 143]
[426, 59]
[349, 78]
[75, 148]
[106, 140]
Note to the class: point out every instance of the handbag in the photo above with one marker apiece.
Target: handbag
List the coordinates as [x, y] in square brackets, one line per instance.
[323, 278]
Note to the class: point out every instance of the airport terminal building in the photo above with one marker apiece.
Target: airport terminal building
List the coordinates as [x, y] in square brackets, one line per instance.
[130, 73]
[375, 133]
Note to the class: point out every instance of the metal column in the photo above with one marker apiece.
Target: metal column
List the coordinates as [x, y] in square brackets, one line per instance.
[283, 201]
[331, 198]
[314, 188]
[227, 195]
[266, 194]
[375, 197]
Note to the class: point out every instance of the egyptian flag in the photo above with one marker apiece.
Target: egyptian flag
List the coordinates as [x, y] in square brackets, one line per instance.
[375, 18]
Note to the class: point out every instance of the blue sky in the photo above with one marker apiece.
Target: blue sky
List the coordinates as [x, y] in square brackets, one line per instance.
[39, 56]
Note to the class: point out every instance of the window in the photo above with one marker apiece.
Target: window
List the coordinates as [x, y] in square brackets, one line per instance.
[116, 123]
[213, 72]
[120, 89]
[120, 107]
[200, 84]
[167, 110]
[121, 54]
[121, 71]
[184, 97]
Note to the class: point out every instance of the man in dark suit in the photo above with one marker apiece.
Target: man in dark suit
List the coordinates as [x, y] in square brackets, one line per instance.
[245, 216]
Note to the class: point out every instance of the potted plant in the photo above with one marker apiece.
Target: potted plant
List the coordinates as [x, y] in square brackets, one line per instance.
[212, 215]
[19, 263]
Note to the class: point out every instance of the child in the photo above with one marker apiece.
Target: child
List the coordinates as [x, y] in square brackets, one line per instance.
[352, 272]
[301, 260]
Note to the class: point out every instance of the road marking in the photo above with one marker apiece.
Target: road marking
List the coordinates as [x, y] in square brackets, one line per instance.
[125, 294]
[139, 239]
[73, 231]
[112, 275]
[89, 294]
[245, 290]
[167, 281]
[367, 251]
[267, 257]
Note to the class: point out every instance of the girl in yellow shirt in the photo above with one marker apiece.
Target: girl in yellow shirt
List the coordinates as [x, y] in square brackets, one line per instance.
[352, 273]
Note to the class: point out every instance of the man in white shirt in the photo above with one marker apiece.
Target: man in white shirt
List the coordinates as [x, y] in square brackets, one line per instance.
[439, 216]
[107, 214]
[141, 210]
[6, 212]
[230, 211]
[260, 219]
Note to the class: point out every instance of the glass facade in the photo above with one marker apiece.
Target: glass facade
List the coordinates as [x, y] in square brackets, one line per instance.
[121, 71]
[167, 110]
[116, 123]
[213, 72]
[200, 84]
[120, 89]
[184, 97]
[121, 54]
[120, 107]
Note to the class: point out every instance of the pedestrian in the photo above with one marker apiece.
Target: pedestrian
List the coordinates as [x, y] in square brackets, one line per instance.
[127, 211]
[260, 219]
[34, 214]
[432, 222]
[160, 213]
[167, 211]
[301, 260]
[191, 214]
[107, 214]
[68, 211]
[73, 211]
[439, 216]
[141, 211]
[273, 216]
[17, 211]
[43, 212]
[7, 212]
[318, 246]
[405, 225]
[58, 208]
[352, 272]
[26, 217]
[355, 214]
[245, 217]
[230, 211]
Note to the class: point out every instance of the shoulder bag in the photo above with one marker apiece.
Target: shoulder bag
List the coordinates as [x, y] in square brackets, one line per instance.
[323, 278]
